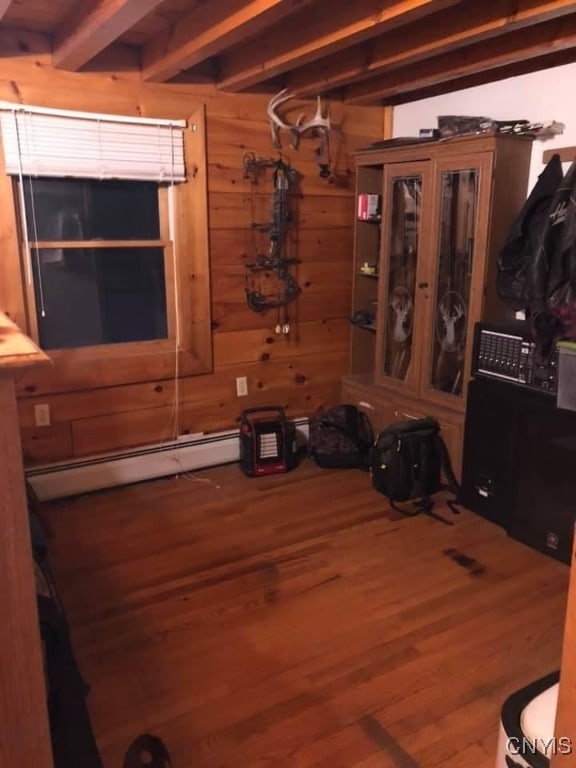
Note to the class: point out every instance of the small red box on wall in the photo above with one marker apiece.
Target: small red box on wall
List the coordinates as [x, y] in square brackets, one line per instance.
[368, 207]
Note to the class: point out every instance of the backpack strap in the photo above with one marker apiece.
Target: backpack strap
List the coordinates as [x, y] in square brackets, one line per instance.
[425, 503]
[351, 416]
[357, 424]
[452, 485]
[427, 509]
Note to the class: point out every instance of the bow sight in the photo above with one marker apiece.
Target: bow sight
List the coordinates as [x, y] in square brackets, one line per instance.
[275, 261]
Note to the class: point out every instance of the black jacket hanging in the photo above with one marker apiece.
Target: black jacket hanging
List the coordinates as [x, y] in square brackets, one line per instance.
[561, 293]
[519, 278]
[549, 273]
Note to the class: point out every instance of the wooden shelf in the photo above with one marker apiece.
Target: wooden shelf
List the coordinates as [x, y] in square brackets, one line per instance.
[368, 274]
[364, 327]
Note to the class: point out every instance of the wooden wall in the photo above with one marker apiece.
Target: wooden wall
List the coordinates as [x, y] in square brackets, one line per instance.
[565, 730]
[301, 372]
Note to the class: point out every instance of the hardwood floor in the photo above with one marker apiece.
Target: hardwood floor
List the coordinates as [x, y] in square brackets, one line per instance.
[295, 621]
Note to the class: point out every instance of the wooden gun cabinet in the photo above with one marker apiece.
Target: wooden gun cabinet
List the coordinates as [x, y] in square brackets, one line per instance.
[425, 272]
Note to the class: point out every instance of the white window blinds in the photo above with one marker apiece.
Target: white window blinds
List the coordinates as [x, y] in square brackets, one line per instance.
[50, 142]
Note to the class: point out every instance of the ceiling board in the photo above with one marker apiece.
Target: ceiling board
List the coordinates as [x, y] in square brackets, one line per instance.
[366, 52]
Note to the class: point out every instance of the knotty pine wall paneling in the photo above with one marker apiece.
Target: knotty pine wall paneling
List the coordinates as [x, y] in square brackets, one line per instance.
[302, 372]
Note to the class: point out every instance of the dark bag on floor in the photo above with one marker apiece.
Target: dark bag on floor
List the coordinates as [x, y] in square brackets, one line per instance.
[340, 438]
[410, 462]
[73, 742]
[72, 738]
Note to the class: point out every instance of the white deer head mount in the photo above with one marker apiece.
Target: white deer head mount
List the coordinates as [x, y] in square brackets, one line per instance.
[450, 312]
[402, 306]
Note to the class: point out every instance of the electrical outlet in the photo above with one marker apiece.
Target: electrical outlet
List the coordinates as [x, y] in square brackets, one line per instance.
[241, 386]
[42, 415]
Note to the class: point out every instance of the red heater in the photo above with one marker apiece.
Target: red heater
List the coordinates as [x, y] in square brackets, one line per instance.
[267, 441]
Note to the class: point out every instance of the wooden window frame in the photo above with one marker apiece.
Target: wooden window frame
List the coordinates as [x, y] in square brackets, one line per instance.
[113, 349]
[132, 362]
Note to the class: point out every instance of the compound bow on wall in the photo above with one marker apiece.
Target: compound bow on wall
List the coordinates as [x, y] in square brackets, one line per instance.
[276, 260]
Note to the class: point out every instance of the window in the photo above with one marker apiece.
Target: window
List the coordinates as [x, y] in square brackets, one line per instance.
[99, 264]
[107, 227]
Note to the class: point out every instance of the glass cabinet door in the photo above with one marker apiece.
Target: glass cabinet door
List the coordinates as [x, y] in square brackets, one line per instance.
[457, 225]
[401, 247]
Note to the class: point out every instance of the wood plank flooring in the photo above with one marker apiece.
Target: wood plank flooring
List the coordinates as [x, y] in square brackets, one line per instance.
[296, 621]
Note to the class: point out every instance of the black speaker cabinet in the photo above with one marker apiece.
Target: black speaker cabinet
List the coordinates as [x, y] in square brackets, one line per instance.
[545, 509]
[518, 464]
[489, 466]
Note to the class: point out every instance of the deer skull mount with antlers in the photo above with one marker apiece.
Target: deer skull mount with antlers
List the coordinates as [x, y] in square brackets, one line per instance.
[320, 123]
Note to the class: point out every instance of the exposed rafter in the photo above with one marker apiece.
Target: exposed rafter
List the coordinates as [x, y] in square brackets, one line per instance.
[92, 27]
[319, 32]
[452, 29]
[548, 61]
[210, 29]
[524, 45]
[362, 51]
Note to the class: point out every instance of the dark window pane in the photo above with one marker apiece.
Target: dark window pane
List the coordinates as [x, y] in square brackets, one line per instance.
[88, 209]
[99, 296]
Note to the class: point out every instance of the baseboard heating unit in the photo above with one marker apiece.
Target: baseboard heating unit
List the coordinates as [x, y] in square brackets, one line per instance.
[187, 454]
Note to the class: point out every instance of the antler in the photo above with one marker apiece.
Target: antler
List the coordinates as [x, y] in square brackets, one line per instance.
[318, 121]
[276, 122]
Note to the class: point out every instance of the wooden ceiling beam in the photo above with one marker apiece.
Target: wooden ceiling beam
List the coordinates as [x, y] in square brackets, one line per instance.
[323, 30]
[556, 35]
[525, 67]
[4, 5]
[209, 29]
[92, 27]
[453, 29]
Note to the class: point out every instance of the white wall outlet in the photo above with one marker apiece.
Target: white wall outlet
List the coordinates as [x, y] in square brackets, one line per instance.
[42, 415]
[241, 386]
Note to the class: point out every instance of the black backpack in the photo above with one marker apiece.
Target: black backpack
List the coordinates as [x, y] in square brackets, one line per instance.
[340, 438]
[408, 462]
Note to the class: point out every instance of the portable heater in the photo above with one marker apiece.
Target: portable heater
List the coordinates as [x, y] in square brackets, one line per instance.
[267, 441]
